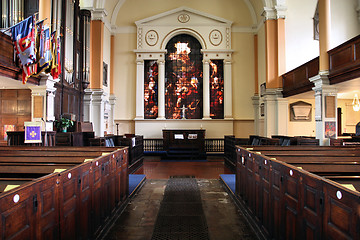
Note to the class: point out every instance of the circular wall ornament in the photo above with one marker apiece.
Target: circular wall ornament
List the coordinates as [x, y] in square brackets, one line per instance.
[151, 37]
[215, 37]
[183, 18]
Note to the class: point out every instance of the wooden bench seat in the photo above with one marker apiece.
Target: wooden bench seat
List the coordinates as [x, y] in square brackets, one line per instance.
[288, 201]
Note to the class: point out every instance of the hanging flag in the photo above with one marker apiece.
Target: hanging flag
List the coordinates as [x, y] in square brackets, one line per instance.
[55, 65]
[28, 71]
[23, 37]
[45, 55]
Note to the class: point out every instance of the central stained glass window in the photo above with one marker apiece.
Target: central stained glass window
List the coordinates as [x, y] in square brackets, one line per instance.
[183, 78]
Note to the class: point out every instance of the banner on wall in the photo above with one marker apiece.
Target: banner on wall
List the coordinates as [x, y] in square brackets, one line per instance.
[32, 132]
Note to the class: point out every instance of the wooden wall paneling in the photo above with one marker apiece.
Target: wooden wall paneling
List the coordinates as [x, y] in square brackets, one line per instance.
[69, 194]
[97, 200]
[112, 182]
[291, 207]
[16, 220]
[250, 188]
[125, 174]
[106, 189]
[342, 57]
[276, 200]
[84, 199]
[311, 207]
[341, 213]
[118, 165]
[258, 196]
[47, 202]
[239, 167]
[265, 184]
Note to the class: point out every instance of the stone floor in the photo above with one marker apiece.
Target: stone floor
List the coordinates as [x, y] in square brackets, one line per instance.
[224, 220]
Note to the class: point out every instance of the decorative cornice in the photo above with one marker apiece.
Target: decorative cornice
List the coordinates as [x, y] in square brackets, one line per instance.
[99, 14]
[273, 13]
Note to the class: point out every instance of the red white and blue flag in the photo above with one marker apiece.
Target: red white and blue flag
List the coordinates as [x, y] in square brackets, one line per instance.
[45, 55]
[55, 65]
[23, 37]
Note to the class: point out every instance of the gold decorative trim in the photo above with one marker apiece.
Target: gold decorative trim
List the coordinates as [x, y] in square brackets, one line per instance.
[215, 37]
[151, 37]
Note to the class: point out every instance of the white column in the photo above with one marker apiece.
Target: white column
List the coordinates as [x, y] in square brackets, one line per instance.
[88, 105]
[161, 90]
[112, 101]
[46, 90]
[206, 89]
[227, 90]
[322, 118]
[276, 113]
[98, 109]
[282, 116]
[256, 103]
[140, 89]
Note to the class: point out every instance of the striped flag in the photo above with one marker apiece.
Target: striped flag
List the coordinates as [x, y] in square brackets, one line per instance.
[55, 65]
[23, 37]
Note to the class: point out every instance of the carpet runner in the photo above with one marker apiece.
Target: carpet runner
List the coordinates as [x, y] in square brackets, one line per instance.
[181, 214]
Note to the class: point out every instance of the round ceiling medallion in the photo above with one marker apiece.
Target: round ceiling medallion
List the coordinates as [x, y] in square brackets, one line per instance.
[215, 37]
[151, 38]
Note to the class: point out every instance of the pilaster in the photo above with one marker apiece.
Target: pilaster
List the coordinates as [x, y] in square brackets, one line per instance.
[325, 109]
[227, 90]
[44, 93]
[256, 104]
[206, 89]
[139, 89]
[276, 113]
[161, 92]
[112, 101]
[94, 108]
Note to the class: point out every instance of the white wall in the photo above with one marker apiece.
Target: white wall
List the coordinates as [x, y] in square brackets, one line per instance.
[300, 46]
[344, 21]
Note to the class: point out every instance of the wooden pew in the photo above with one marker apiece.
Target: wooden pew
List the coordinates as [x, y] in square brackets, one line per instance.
[291, 203]
[73, 204]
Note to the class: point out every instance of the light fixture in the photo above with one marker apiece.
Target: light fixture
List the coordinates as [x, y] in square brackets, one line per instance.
[356, 103]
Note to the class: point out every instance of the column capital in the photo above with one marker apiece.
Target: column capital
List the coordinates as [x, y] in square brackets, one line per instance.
[273, 13]
[98, 14]
[273, 93]
[256, 100]
[161, 61]
[319, 81]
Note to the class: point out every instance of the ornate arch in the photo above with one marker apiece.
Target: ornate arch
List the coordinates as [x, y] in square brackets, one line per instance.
[179, 31]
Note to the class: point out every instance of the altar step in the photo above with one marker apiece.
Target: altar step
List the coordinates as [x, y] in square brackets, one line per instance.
[184, 154]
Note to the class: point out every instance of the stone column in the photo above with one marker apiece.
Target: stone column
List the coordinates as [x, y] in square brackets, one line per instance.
[256, 102]
[97, 108]
[139, 89]
[325, 108]
[161, 88]
[276, 113]
[227, 90]
[87, 105]
[45, 94]
[206, 89]
[112, 101]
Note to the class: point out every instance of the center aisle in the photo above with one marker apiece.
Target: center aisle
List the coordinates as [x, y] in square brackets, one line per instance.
[181, 214]
[223, 219]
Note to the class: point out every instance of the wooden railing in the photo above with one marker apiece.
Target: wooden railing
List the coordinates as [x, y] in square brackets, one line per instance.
[9, 65]
[345, 61]
[211, 145]
[297, 80]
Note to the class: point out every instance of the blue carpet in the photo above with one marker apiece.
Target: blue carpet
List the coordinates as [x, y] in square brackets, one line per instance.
[229, 180]
[134, 181]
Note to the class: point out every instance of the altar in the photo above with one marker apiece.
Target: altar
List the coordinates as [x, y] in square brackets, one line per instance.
[184, 143]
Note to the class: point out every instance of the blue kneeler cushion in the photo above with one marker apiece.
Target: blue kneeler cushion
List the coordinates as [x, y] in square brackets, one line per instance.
[229, 180]
[135, 181]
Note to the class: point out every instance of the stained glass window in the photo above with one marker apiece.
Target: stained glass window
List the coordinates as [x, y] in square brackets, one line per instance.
[217, 89]
[150, 89]
[183, 78]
